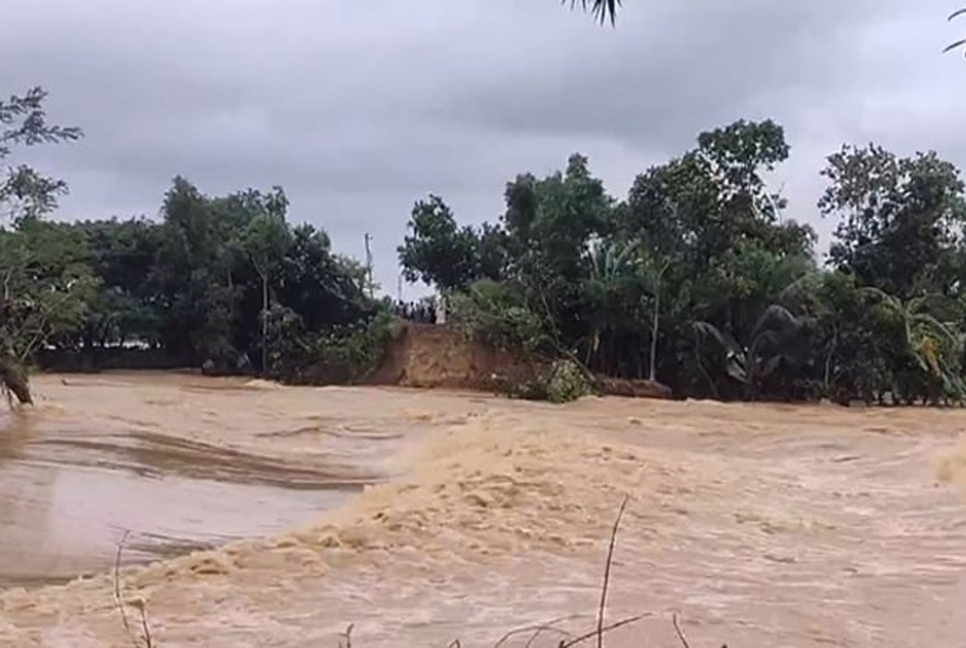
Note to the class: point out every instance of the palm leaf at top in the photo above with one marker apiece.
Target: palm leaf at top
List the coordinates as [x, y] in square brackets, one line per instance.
[603, 10]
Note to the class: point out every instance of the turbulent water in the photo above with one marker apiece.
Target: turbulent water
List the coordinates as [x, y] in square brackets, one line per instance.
[254, 515]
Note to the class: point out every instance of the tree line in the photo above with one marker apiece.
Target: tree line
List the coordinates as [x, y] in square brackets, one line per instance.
[225, 282]
[696, 279]
[700, 280]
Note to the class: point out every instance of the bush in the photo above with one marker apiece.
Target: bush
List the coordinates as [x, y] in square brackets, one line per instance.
[567, 382]
[561, 381]
[492, 313]
[343, 355]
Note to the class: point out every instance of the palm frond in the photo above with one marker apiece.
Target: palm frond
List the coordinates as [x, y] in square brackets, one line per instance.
[776, 314]
[961, 42]
[935, 326]
[878, 293]
[602, 10]
[770, 365]
[725, 339]
[956, 45]
[796, 288]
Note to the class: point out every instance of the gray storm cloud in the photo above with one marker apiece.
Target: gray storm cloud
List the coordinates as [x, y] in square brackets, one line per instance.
[358, 109]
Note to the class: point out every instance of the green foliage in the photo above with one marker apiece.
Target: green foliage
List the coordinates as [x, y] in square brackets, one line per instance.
[47, 289]
[439, 253]
[556, 381]
[358, 351]
[900, 219]
[700, 279]
[25, 193]
[493, 313]
[344, 354]
[225, 282]
[567, 382]
[230, 269]
[43, 291]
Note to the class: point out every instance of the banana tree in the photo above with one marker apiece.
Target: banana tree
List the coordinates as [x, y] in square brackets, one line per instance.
[934, 345]
[771, 342]
[611, 265]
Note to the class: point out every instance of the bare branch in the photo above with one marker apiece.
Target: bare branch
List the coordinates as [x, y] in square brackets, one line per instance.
[601, 631]
[677, 629]
[145, 628]
[538, 628]
[607, 566]
[348, 636]
[117, 589]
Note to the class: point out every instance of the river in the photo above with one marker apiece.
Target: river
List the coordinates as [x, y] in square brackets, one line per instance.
[256, 515]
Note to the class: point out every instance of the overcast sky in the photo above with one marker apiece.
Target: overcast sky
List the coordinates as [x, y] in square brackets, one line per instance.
[360, 107]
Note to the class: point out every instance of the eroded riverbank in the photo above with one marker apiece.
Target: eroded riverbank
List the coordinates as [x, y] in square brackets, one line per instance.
[760, 525]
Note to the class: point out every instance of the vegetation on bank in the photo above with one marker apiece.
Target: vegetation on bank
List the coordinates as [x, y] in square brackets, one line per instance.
[225, 282]
[700, 279]
[697, 279]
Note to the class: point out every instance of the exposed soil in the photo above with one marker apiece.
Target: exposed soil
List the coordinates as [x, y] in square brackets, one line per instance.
[425, 355]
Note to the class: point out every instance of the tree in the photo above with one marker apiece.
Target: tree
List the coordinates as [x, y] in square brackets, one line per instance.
[901, 221]
[123, 257]
[25, 193]
[772, 343]
[438, 252]
[232, 274]
[550, 224]
[265, 241]
[653, 271]
[26, 316]
[613, 266]
[934, 345]
[45, 291]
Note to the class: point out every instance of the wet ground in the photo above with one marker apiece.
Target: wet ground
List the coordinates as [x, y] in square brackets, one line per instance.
[758, 525]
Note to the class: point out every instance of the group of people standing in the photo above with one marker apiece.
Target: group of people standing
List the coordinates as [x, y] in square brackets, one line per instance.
[422, 312]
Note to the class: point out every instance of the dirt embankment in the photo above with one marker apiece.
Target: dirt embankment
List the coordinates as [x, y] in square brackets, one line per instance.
[426, 355]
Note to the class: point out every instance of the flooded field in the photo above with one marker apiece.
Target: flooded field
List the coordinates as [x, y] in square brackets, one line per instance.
[269, 516]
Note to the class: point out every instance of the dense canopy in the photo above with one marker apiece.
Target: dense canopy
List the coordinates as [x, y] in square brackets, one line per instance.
[697, 277]
[700, 279]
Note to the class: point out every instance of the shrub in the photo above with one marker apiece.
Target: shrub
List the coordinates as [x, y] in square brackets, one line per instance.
[567, 382]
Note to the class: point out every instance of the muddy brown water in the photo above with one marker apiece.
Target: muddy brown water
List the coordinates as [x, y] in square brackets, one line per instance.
[72, 487]
[756, 525]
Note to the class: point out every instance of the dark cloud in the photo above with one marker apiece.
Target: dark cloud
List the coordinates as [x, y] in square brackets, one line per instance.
[359, 108]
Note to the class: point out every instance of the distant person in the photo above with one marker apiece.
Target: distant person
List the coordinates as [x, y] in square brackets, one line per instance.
[440, 314]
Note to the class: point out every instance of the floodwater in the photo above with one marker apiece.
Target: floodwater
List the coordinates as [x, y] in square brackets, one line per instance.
[268, 516]
[77, 478]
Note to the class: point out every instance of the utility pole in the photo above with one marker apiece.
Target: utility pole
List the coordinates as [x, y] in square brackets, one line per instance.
[399, 288]
[369, 263]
